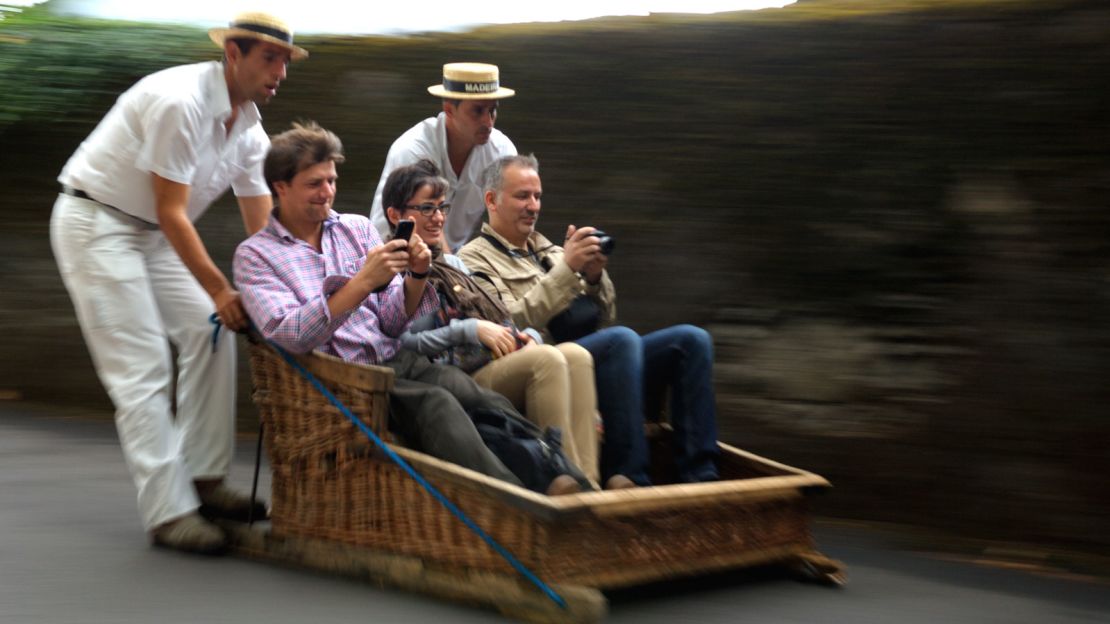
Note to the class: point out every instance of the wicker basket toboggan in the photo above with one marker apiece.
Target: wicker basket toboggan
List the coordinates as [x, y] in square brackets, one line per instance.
[330, 484]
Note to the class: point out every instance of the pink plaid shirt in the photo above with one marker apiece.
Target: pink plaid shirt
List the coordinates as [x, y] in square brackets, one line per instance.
[285, 285]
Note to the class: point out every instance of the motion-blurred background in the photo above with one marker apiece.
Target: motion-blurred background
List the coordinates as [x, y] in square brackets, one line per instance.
[891, 215]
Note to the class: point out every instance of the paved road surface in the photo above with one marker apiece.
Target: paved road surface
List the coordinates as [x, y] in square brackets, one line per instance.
[72, 551]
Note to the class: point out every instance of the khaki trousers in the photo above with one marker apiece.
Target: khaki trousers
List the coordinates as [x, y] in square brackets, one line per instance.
[554, 387]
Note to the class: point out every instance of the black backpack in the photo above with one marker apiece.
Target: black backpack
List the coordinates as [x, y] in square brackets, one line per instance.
[535, 456]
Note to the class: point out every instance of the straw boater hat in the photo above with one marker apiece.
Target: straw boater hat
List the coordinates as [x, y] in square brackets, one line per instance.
[470, 81]
[261, 26]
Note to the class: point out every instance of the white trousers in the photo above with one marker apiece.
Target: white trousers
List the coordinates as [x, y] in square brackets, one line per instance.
[133, 297]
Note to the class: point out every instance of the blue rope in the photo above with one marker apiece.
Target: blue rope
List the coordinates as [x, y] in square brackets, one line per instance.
[215, 320]
[501, 550]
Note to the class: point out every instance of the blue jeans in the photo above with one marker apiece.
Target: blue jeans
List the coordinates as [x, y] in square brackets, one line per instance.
[631, 373]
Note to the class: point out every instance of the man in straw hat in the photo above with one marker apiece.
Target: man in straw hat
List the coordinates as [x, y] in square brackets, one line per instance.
[461, 141]
[140, 276]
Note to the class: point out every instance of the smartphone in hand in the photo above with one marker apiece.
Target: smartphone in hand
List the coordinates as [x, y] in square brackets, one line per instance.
[403, 232]
[404, 229]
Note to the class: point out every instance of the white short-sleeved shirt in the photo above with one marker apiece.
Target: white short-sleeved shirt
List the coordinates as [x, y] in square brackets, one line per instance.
[428, 139]
[172, 123]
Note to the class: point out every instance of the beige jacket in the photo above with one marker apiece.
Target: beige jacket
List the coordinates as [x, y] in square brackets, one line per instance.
[532, 295]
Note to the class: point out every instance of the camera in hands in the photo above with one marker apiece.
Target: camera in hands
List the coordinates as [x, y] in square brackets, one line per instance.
[606, 241]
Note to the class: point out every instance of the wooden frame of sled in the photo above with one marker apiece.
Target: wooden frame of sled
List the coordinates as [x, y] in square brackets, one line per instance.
[340, 505]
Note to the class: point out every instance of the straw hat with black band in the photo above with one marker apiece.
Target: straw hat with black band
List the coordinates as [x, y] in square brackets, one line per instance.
[470, 81]
[260, 26]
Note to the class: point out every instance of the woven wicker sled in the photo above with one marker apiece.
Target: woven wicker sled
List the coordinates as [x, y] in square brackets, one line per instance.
[342, 506]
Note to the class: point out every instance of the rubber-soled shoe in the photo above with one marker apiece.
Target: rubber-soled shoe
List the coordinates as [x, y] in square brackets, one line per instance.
[220, 501]
[619, 482]
[191, 533]
[563, 484]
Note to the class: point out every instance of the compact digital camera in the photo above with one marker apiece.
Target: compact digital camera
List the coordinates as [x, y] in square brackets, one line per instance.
[607, 243]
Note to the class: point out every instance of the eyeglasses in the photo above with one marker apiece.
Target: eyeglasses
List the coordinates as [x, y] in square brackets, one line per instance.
[430, 209]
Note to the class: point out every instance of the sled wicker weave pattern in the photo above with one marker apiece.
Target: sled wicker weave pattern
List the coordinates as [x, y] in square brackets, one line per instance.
[328, 483]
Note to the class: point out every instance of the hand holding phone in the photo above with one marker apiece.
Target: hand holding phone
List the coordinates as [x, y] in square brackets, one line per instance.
[403, 232]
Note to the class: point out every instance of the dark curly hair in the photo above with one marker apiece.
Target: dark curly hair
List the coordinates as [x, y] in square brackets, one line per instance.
[404, 182]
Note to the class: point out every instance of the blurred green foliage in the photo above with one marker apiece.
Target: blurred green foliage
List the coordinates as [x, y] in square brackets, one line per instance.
[62, 70]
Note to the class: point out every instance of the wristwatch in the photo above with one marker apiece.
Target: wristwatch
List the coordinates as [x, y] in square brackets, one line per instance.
[423, 275]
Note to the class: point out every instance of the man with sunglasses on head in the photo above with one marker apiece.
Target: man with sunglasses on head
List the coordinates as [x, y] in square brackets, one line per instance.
[141, 278]
[461, 141]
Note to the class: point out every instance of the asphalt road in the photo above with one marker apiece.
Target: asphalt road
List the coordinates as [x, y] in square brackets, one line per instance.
[72, 550]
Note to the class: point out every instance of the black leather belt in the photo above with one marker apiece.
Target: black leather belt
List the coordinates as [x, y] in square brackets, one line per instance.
[79, 194]
[69, 190]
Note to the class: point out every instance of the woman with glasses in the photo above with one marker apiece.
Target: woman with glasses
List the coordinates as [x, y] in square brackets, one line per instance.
[552, 385]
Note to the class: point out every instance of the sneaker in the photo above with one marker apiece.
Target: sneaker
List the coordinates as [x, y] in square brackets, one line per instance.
[619, 482]
[191, 533]
[562, 485]
[220, 501]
